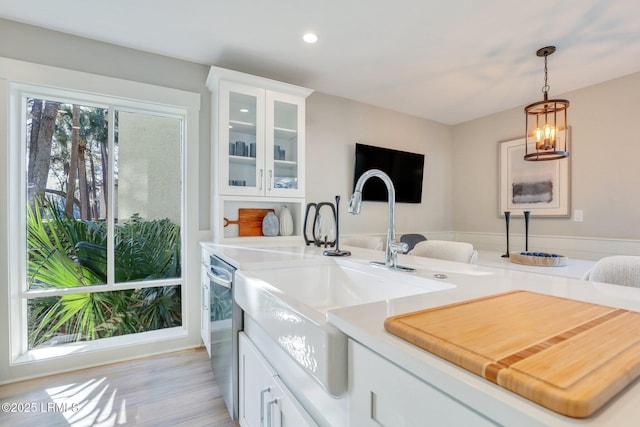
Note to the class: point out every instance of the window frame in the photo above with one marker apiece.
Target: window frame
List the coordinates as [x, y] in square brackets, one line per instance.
[115, 94]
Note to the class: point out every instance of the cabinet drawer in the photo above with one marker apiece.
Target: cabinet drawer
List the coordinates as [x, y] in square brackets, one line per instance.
[383, 394]
[265, 401]
[290, 412]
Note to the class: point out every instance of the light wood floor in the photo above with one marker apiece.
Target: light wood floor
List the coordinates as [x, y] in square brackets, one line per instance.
[176, 389]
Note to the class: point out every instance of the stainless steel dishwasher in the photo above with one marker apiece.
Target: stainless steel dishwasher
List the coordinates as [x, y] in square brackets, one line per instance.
[226, 322]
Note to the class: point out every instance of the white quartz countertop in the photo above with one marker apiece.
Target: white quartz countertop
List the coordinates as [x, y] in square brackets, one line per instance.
[365, 324]
[576, 268]
[245, 257]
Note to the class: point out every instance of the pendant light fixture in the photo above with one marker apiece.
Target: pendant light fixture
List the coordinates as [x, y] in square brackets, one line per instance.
[546, 122]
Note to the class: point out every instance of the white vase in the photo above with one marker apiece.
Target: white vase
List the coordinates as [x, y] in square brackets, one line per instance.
[286, 222]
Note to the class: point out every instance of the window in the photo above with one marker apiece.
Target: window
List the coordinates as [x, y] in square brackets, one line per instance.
[97, 190]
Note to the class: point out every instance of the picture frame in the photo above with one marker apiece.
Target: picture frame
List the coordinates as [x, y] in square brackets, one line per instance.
[540, 187]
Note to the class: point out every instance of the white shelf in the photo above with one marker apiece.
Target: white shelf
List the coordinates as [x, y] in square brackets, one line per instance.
[285, 163]
[242, 127]
[229, 206]
[283, 133]
[243, 160]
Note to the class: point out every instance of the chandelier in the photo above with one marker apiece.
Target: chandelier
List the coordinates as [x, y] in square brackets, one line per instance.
[546, 122]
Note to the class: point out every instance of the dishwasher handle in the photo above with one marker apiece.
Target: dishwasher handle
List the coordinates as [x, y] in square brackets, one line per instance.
[220, 277]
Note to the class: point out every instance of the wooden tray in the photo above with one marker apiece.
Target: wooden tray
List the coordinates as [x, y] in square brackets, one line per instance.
[249, 221]
[569, 356]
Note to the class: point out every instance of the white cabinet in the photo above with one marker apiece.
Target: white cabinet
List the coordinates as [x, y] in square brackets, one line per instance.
[383, 394]
[264, 400]
[205, 322]
[258, 154]
[261, 142]
[241, 140]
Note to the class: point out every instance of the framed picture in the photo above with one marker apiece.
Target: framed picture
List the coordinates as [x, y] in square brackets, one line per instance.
[541, 187]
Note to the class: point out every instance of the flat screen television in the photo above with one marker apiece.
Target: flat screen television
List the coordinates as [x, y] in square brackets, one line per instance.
[405, 170]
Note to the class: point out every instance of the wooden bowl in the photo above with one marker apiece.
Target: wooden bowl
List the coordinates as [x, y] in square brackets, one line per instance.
[539, 261]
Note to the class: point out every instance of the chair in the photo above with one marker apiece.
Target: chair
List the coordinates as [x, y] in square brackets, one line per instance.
[412, 239]
[368, 242]
[618, 270]
[446, 250]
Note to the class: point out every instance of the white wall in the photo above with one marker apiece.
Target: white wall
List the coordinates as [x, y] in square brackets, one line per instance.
[605, 177]
[334, 125]
[461, 171]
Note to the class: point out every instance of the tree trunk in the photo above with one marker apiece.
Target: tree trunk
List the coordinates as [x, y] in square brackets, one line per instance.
[106, 177]
[36, 118]
[73, 162]
[94, 191]
[82, 179]
[43, 126]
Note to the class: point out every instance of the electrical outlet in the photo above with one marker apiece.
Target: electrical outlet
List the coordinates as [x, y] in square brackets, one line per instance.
[578, 215]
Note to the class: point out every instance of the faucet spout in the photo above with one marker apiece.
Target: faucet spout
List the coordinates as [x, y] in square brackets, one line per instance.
[392, 247]
[355, 203]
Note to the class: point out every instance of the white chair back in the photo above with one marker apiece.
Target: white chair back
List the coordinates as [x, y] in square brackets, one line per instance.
[618, 270]
[368, 242]
[446, 250]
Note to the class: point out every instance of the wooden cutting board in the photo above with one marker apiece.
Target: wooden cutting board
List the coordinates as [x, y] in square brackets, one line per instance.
[249, 221]
[569, 356]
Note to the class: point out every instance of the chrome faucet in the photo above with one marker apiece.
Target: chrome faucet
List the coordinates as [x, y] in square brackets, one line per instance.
[392, 247]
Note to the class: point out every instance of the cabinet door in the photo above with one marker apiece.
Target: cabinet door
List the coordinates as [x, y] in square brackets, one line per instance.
[265, 401]
[285, 133]
[283, 410]
[383, 394]
[241, 149]
[205, 316]
[256, 385]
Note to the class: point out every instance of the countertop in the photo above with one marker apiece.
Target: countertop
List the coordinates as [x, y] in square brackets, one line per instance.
[364, 323]
[575, 268]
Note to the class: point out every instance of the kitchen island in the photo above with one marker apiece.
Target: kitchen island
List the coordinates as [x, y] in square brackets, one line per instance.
[455, 391]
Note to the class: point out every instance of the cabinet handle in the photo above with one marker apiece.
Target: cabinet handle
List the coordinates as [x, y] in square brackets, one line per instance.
[262, 393]
[271, 404]
[261, 178]
[204, 299]
[270, 178]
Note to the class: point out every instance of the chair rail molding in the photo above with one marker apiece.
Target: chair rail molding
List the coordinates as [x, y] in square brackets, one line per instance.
[587, 248]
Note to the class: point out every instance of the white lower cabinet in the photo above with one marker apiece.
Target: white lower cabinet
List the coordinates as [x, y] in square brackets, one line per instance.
[264, 400]
[383, 394]
[205, 315]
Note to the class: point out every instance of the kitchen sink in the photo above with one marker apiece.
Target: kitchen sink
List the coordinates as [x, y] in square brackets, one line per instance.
[290, 304]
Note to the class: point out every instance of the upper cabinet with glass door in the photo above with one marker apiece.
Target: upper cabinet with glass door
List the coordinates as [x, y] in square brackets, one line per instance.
[259, 134]
[241, 140]
[285, 144]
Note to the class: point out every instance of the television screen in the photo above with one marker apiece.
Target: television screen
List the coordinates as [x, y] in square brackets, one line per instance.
[405, 170]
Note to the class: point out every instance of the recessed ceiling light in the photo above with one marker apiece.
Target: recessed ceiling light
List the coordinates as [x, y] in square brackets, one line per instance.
[310, 38]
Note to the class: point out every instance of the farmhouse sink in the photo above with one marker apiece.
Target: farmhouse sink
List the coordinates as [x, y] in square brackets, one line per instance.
[291, 303]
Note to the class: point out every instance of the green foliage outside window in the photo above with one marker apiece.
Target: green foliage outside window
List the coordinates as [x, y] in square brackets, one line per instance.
[64, 252]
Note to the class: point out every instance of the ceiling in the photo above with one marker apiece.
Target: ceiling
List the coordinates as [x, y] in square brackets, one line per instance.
[449, 61]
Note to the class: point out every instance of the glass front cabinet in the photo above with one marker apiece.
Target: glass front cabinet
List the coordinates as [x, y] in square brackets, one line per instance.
[260, 136]
[259, 140]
